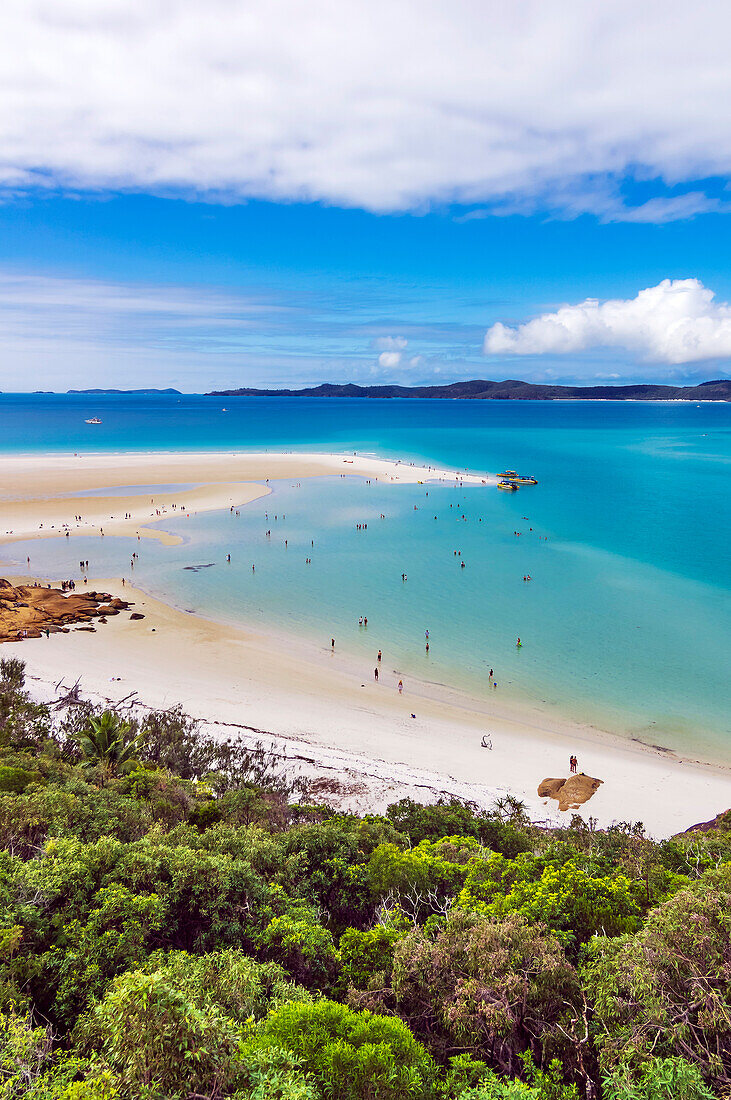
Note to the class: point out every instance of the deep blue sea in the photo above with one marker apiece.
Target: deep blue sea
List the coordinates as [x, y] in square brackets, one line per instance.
[626, 621]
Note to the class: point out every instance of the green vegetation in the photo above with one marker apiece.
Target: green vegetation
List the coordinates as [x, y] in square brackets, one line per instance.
[178, 923]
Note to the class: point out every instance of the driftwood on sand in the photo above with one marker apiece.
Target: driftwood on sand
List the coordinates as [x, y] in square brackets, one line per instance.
[572, 792]
[28, 611]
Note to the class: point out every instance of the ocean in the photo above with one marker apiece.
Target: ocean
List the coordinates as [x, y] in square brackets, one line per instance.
[626, 622]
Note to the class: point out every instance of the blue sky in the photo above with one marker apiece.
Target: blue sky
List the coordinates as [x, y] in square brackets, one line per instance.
[375, 195]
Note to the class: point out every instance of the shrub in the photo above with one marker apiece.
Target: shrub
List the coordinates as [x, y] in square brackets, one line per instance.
[303, 947]
[159, 1042]
[665, 991]
[495, 990]
[656, 1079]
[574, 904]
[348, 1055]
[15, 780]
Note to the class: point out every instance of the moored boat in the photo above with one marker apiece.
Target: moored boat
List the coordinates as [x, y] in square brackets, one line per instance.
[518, 479]
[93, 420]
[508, 486]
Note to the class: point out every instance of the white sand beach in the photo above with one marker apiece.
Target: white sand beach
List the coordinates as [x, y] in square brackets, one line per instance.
[320, 710]
[318, 706]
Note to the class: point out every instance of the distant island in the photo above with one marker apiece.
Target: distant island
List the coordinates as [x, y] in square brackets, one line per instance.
[510, 390]
[136, 392]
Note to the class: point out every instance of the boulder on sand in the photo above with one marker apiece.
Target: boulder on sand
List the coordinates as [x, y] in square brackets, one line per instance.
[572, 792]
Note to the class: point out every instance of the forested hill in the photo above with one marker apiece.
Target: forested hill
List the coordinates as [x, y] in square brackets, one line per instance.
[512, 389]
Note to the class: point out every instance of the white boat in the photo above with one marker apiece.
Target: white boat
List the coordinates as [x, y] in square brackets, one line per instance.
[93, 420]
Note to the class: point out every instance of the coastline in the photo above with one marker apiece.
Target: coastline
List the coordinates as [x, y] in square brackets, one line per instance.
[315, 709]
[297, 696]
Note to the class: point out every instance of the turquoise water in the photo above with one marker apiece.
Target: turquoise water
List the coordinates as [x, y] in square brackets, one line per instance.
[626, 622]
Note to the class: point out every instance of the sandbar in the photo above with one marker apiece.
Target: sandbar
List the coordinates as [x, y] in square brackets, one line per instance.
[39, 493]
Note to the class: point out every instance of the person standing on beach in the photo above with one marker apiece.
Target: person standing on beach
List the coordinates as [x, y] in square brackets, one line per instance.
[379, 655]
[332, 643]
[400, 687]
[375, 673]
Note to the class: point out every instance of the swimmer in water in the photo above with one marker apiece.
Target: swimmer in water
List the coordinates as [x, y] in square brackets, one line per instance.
[518, 644]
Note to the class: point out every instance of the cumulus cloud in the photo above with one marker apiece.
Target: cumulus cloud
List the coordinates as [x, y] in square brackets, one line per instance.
[391, 348]
[389, 358]
[373, 104]
[677, 321]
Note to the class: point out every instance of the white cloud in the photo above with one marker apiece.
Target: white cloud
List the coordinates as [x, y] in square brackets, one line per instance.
[390, 343]
[676, 321]
[389, 358]
[369, 103]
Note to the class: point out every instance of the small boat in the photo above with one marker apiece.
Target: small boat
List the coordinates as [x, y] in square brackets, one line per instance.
[509, 486]
[519, 479]
[93, 420]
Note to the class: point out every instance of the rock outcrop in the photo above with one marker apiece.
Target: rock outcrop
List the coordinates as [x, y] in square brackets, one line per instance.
[29, 611]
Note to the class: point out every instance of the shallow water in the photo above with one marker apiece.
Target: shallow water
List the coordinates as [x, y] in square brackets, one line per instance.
[626, 621]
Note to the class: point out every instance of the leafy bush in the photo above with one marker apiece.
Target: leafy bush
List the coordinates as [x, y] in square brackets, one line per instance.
[348, 1055]
[656, 1079]
[494, 990]
[303, 947]
[367, 957]
[571, 902]
[666, 990]
[159, 1042]
[15, 780]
